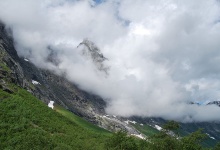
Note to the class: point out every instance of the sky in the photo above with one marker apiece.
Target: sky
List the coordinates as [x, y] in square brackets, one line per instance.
[162, 54]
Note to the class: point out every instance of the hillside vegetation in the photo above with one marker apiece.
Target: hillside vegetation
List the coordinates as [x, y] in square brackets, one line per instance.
[79, 121]
[27, 123]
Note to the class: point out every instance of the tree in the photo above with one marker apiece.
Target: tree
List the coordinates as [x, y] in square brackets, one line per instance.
[217, 146]
[121, 141]
[193, 140]
[171, 125]
[164, 140]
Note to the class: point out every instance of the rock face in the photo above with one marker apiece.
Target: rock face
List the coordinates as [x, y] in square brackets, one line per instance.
[214, 103]
[91, 51]
[10, 69]
[22, 72]
[48, 86]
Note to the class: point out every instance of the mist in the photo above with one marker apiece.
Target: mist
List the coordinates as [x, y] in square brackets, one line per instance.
[162, 54]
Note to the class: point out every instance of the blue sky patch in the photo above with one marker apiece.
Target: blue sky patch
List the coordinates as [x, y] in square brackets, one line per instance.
[98, 1]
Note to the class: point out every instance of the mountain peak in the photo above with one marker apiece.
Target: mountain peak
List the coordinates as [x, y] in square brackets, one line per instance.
[91, 51]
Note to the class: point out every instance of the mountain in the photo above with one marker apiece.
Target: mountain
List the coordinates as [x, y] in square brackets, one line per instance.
[91, 51]
[27, 122]
[214, 103]
[46, 86]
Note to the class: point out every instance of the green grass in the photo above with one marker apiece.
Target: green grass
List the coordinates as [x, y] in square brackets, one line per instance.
[3, 95]
[80, 121]
[27, 123]
[146, 129]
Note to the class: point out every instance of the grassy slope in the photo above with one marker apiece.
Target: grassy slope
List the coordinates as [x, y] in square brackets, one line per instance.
[81, 122]
[25, 122]
[146, 129]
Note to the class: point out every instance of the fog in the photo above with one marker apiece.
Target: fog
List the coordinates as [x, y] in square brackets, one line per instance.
[162, 54]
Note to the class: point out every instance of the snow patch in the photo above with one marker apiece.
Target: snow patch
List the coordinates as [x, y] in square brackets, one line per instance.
[211, 137]
[134, 122]
[158, 127]
[139, 136]
[127, 122]
[50, 104]
[141, 124]
[26, 59]
[35, 82]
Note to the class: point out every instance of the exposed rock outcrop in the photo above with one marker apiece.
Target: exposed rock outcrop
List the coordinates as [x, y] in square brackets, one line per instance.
[91, 51]
[48, 86]
[214, 103]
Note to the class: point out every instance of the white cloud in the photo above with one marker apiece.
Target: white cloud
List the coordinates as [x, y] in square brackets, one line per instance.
[165, 55]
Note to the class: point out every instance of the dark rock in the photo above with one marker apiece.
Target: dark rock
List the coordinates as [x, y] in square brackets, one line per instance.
[6, 89]
[214, 103]
[91, 51]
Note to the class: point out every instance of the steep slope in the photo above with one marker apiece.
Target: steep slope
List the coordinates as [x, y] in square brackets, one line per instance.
[27, 123]
[47, 86]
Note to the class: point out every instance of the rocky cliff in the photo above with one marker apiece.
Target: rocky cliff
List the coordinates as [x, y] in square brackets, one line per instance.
[48, 86]
[44, 84]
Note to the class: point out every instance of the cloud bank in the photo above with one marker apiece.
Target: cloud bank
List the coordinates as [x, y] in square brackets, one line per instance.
[163, 53]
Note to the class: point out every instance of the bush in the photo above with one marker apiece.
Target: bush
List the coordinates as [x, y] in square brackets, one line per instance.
[121, 141]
